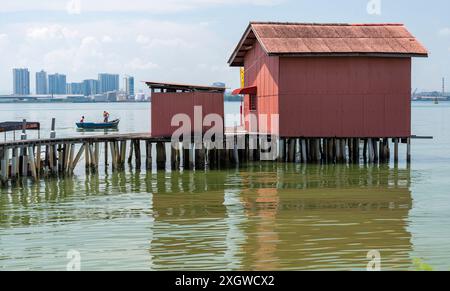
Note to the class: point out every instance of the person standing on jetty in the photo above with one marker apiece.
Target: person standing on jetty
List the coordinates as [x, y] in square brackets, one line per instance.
[105, 116]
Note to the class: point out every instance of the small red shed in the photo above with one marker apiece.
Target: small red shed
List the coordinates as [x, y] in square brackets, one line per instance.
[329, 80]
[169, 99]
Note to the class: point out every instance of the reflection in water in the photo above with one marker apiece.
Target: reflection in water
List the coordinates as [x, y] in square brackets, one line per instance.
[264, 217]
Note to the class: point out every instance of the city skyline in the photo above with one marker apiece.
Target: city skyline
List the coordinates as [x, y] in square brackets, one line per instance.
[57, 84]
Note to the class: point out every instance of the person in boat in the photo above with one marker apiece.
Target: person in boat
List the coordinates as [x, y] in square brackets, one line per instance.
[105, 116]
[82, 119]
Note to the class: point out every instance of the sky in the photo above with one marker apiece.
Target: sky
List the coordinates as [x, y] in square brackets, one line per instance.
[188, 41]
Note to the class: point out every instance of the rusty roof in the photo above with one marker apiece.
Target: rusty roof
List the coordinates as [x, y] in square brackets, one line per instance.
[333, 39]
[183, 87]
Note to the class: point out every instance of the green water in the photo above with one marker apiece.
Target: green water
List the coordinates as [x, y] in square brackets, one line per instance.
[260, 217]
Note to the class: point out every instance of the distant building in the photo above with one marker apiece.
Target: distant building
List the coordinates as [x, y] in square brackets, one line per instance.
[111, 96]
[21, 82]
[41, 83]
[90, 87]
[122, 96]
[219, 84]
[129, 86]
[108, 83]
[57, 84]
[74, 88]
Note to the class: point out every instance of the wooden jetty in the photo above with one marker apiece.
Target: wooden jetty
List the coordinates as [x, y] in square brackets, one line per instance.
[50, 157]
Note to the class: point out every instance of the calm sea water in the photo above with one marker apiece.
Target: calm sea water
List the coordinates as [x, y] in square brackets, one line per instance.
[260, 217]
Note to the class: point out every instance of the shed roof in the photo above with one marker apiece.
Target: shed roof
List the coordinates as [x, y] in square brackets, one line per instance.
[184, 87]
[312, 39]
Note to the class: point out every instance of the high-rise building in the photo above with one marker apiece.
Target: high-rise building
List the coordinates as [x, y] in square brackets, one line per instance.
[90, 87]
[108, 83]
[57, 84]
[75, 88]
[129, 86]
[21, 82]
[41, 83]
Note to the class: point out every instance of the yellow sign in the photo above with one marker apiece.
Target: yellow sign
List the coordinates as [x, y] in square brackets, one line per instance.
[242, 77]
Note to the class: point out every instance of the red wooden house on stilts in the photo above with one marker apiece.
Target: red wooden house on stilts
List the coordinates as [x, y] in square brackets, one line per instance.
[329, 81]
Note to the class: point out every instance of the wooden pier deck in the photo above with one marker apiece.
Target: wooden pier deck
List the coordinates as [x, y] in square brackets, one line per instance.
[60, 156]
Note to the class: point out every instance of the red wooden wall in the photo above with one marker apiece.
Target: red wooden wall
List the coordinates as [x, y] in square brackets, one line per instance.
[262, 71]
[166, 105]
[344, 97]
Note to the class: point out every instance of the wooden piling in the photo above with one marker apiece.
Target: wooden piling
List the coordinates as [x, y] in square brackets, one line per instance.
[161, 155]
[14, 164]
[78, 157]
[32, 163]
[148, 155]
[137, 153]
[106, 155]
[199, 156]
[4, 155]
[396, 150]
[408, 151]
[38, 160]
[175, 155]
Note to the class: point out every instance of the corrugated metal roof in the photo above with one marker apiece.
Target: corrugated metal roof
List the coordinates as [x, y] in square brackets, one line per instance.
[183, 87]
[311, 39]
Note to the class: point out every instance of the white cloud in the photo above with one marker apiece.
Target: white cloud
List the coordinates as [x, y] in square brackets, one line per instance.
[142, 39]
[444, 31]
[149, 6]
[107, 39]
[138, 64]
[3, 39]
[54, 31]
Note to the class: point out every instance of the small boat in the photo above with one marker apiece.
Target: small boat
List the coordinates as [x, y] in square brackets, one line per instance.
[103, 125]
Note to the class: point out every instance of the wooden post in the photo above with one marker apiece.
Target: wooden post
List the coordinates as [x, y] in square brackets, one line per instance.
[365, 151]
[161, 155]
[14, 164]
[65, 158]
[408, 151]
[123, 153]
[291, 156]
[371, 150]
[4, 165]
[53, 129]
[130, 155]
[71, 156]
[281, 150]
[186, 160]
[93, 164]
[338, 151]
[375, 150]
[199, 156]
[113, 155]
[137, 153]
[24, 162]
[304, 151]
[38, 160]
[87, 155]
[356, 149]
[32, 163]
[148, 155]
[78, 157]
[106, 155]
[175, 156]
[396, 150]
